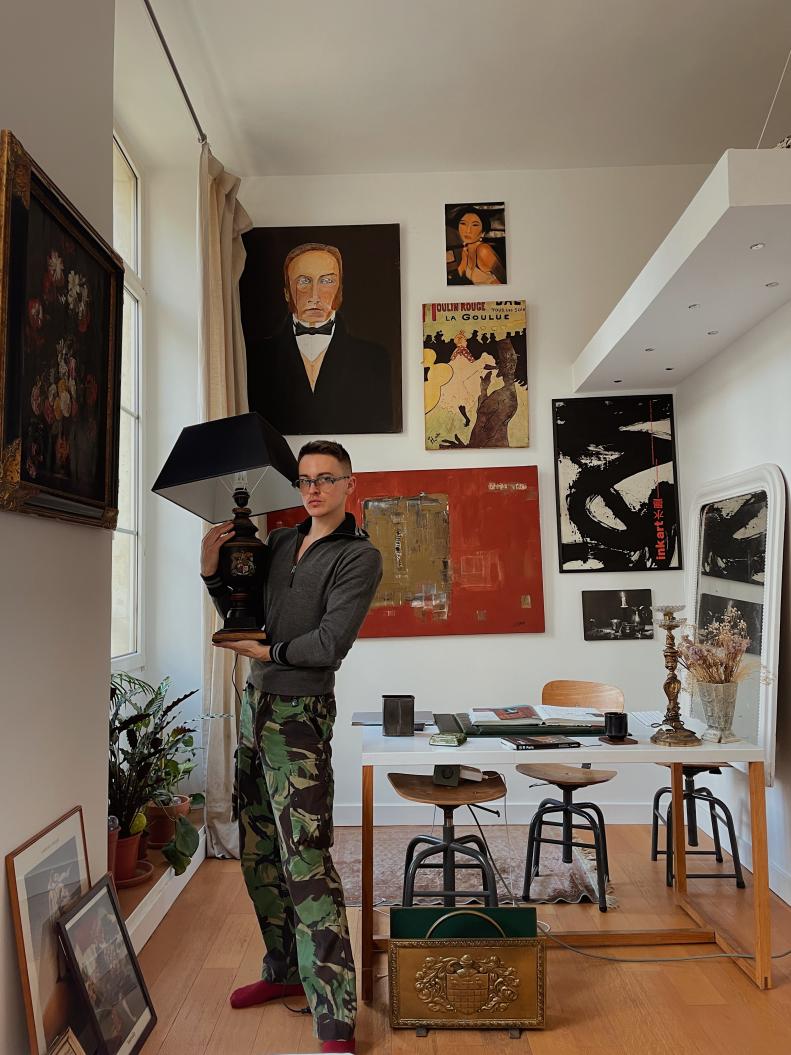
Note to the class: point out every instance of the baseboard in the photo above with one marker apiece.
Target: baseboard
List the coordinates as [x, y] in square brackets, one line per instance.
[414, 813]
[152, 909]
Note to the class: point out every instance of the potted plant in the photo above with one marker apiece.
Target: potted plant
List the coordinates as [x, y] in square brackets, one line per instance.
[143, 737]
[167, 805]
[714, 659]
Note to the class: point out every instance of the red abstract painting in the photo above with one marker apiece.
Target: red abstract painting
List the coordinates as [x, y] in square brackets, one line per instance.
[461, 550]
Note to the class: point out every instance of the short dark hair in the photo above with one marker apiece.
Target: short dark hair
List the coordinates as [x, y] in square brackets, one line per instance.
[483, 216]
[330, 447]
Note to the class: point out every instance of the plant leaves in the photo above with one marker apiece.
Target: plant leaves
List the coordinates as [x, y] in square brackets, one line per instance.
[186, 837]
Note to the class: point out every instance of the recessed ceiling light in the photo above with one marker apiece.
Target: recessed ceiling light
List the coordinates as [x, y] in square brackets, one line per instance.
[668, 368]
[758, 245]
[771, 285]
[712, 333]
[692, 307]
[649, 349]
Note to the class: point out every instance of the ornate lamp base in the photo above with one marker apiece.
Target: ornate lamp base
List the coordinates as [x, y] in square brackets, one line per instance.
[676, 737]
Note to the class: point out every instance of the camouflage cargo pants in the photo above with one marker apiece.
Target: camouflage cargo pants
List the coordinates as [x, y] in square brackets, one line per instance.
[283, 801]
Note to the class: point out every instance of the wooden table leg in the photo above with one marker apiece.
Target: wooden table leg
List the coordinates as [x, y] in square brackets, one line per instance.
[679, 831]
[760, 854]
[367, 882]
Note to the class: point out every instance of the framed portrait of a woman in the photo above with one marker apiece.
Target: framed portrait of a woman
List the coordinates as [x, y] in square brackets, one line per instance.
[46, 876]
[475, 244]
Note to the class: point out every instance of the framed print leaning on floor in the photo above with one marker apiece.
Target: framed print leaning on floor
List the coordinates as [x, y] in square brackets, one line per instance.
[46, 875]
[105, 967]
[61, 302]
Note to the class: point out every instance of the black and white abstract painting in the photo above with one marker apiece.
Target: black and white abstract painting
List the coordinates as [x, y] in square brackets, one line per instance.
[617, 615]
[615, 471]
[733, 538]
[712, 606]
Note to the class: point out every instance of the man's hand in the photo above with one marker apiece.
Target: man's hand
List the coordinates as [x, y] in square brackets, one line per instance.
[250, 649]
[210, 547]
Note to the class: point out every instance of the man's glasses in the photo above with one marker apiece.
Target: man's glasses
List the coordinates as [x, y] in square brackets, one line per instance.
[323, 482]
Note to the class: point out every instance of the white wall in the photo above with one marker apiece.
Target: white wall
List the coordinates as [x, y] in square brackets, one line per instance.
[56, 77]
[576, 240]
[732, 415]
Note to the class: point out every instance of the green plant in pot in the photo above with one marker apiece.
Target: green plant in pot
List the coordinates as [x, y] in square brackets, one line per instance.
[145, 741]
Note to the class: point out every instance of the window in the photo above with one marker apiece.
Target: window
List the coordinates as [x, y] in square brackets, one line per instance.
[126, 632]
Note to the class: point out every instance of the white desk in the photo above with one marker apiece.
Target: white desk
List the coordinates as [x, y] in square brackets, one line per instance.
[407, 752]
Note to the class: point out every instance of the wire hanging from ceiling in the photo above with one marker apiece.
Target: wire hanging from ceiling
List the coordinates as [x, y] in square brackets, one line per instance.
[202, 137]
[774, 99]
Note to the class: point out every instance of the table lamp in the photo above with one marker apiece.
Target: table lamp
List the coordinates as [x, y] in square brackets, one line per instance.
[240, 465]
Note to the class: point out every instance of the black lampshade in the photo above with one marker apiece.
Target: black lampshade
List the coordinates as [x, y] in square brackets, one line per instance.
[202, 471]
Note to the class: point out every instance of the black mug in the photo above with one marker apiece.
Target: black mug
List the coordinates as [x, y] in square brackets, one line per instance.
[616, 725]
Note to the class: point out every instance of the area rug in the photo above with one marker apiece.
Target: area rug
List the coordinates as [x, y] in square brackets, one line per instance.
[572, 883]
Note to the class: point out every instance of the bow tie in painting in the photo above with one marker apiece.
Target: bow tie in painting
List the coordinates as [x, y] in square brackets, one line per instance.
[299, 329]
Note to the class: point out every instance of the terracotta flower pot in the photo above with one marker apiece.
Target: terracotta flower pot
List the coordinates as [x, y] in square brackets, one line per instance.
[142, 853]
[162, 820]
[126, 857]
[112, 846]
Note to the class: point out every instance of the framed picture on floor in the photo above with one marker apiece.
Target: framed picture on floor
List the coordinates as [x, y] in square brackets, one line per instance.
[105, 967]
[46, 875]
[61, 303]
[615, 473]
[67, 1044]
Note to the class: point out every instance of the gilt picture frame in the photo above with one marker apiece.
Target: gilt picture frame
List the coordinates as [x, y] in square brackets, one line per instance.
[61, 303]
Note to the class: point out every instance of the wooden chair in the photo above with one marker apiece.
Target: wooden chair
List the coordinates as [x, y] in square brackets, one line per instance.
[595, 696]
[419, 788]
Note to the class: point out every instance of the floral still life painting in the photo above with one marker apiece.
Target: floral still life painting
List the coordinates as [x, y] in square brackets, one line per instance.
[60, 348]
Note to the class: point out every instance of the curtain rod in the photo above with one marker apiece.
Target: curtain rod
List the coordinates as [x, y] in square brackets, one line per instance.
[202, 138]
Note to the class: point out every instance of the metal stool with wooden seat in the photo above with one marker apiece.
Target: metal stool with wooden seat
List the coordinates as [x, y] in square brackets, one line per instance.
[594, 696]
[422, 789]
[692, 796]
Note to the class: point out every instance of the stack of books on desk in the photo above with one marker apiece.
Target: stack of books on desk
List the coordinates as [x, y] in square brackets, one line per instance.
[536, 719]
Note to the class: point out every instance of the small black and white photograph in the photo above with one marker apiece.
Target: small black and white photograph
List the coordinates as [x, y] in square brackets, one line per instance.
[733, 538]
[617, 615]
[712, 606]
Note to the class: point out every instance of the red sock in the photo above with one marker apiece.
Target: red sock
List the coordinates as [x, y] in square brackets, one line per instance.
[339, 1045]
[262, 992]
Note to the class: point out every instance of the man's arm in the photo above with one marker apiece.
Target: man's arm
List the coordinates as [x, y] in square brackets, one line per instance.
[347, 606]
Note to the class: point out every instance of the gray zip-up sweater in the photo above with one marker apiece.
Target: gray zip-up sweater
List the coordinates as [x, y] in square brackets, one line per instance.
[313, 608]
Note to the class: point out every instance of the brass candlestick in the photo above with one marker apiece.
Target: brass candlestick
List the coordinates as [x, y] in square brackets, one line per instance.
[672, 732]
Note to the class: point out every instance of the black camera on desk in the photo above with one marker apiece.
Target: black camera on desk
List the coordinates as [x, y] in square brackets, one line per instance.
[398, 716]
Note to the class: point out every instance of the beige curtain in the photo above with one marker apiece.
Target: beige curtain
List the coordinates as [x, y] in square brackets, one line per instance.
[223, 390]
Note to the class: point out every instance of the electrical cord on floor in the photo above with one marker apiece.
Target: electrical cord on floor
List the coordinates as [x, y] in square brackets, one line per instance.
[545, 929]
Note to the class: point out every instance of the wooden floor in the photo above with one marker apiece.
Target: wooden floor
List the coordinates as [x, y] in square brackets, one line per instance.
[209, 943]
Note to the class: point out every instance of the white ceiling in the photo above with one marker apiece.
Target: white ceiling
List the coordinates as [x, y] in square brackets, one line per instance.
[336, 86]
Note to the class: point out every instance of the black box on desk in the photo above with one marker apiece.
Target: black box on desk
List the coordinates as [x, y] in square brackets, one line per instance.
[398, 716]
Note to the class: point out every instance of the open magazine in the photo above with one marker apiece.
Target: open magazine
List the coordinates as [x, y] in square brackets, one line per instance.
[536, 714]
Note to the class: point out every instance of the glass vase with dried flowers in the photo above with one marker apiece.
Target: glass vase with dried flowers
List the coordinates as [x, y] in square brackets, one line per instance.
[714, 660]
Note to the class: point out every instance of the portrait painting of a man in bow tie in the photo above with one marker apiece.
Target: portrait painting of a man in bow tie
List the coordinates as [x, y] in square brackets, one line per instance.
[331, 364]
